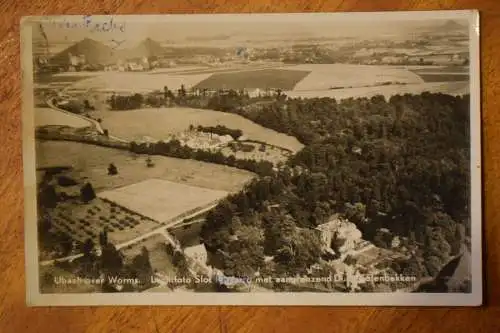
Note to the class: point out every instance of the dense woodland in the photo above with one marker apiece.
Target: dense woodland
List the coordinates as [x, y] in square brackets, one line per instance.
[401, 165]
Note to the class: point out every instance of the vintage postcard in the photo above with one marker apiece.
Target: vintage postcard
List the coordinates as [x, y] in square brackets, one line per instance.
[252, 159]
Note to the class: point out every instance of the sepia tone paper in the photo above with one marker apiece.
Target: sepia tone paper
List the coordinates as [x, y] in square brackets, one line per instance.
[281, 159]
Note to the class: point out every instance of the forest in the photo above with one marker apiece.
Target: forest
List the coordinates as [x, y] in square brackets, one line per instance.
[400, 165]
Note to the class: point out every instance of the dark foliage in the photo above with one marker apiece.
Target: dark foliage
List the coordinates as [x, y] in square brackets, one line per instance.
[401, 165]
[221, 130]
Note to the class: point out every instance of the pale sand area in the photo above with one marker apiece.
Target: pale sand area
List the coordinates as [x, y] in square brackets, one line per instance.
[163, 200]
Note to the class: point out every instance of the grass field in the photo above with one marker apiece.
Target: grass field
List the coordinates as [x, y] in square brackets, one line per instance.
[136, 82]
[163, 200]
[439, 69]
[444, 77]
[159, 123]
[48, 116]
[92, 161]
[285, 79]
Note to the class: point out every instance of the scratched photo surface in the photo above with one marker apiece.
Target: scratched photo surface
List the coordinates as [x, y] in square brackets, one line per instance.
[250, 154]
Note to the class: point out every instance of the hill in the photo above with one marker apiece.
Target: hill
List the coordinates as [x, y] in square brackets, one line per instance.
[94, 52]
[146, 48]
[452, 25]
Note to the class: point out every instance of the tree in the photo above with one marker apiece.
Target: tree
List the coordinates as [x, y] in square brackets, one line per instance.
[141, 266]
[355, 213]
[47, 196]
[87, 193]
[280, 232]
[88, 248]
[103, 238]
[86, 105]
[112, 169]
[245, 253]
[111, 261]
[180, 262]
[44, 223]
[300, 252]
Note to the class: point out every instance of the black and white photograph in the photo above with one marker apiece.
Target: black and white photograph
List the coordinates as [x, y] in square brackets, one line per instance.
[248, 159]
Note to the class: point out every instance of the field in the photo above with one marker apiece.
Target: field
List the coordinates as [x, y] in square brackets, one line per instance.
[306, 80]
[160, 123]
[92, 161]
[135, 82]
[67, 78]
[160, 260]
[452, 88]
[48, 116]
[262, 79]
[331, 76]
[163, 200]
[444, 77]
[83, 221]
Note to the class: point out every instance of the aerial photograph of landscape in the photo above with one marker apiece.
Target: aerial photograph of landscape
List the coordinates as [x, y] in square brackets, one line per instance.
[252, 156]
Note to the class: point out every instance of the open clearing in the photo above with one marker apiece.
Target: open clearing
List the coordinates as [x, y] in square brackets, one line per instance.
[92, 161]
[285, 79]
[48, 116]
[163, 200]
[158, 124]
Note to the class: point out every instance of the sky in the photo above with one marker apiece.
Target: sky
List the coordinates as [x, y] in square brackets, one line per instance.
[206, 29]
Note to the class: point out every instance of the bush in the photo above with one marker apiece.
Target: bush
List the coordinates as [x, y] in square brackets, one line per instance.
[66, 181]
